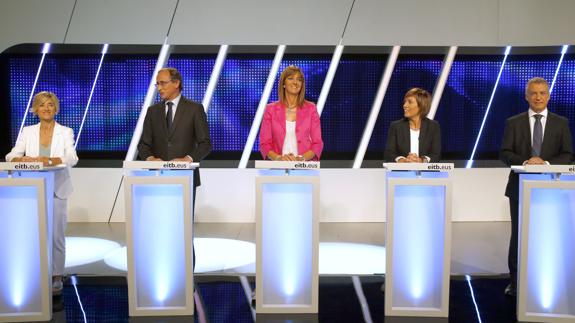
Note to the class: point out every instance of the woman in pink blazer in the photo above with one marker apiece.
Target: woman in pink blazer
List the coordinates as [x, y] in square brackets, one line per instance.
[52, 144]
[290, 127]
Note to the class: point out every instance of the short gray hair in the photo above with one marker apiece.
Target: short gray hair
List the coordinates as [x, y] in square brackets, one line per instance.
[535, 80]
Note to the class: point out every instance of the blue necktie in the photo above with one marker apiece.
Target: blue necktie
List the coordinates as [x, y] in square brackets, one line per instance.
[169, 115]
[537, 136]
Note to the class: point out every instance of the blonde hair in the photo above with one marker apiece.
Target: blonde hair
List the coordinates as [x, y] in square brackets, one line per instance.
[287, 72]
[423, 99]
[41, 97]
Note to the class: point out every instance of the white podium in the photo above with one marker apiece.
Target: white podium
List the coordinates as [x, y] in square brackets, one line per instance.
[546, 264]
[26, 199]
[159, 235]
[418, 246]
[287, 237]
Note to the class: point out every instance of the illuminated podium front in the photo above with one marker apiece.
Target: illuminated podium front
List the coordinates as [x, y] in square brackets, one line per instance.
[26, 200]
[287, 241]
[546, 264]
[418, 243]
[159, 233]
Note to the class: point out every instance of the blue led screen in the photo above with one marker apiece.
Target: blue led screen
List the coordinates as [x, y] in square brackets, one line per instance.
[349, 102]
[236, 98]
[464, 102]
[124, 79]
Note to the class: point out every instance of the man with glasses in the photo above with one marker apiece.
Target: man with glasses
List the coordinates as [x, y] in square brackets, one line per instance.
[175, 129]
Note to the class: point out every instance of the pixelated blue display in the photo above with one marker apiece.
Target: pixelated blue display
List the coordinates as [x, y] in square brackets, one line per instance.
[562, 99]
[409, 72]
[66, 77]
[349, 103]
[116, 104]
[124, 80]
[236, 98]
[464, 102]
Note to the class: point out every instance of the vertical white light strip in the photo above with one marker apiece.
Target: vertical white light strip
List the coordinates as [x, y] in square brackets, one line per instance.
[368, 130]
[220, 59]
[162, 59]
[362, 300]
[329, 77]
[248, 292]
[104, 51]
[563, 51]
[45, 50]
[261, 107]
[440, 85]
[468, 278]
[74, 283]
[470, 161]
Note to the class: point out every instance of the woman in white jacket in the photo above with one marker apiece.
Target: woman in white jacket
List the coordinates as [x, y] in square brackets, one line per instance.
[52, 144]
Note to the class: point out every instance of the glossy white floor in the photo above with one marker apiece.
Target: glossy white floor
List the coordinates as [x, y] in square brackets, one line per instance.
[345, 248]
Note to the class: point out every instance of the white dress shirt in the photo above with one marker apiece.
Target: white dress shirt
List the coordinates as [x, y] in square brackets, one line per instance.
[290, 141]
[174, 107]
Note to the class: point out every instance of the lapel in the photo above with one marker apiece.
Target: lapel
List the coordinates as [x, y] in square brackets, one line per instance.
[526, 130]
[547, 137]
[422, 135]
[33, 143]
[281, 119]
[56, 140]
[181, 110]
[405, 135]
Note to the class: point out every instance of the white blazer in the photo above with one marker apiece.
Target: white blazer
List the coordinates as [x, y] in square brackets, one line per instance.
[28, 144]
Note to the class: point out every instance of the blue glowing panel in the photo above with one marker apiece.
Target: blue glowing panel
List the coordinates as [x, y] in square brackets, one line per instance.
[116, 104]
[196, 71]
[21, 279]
[236, 100]
[287, 271]
[71, 80]
[550, 264]
[510, 96]
[68, 77]
[22, 74]
[409, 72]
[464, 102]
[159, 245]
[418, 246]
[563, 97]
[349, 102]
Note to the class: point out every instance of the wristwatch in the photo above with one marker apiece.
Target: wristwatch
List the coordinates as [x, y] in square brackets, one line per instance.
[49, 161]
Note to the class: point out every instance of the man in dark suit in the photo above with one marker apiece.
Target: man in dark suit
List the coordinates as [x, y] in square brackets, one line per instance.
[176, 128]
[535, 137]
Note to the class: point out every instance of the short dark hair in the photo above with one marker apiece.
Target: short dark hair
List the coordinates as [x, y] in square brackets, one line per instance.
[423, 99]
[174, 76]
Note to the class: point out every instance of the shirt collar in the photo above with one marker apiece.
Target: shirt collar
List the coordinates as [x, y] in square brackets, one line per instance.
[175, 101]
[543, 113]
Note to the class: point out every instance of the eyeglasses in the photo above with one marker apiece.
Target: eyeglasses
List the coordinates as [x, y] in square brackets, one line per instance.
[162, 83]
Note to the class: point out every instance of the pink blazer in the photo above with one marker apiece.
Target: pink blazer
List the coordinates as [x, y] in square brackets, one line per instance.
[307, 127]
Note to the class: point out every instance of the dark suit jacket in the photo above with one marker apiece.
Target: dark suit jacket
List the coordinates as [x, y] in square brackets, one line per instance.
[516, 146]
[398, 140]
[189, 134]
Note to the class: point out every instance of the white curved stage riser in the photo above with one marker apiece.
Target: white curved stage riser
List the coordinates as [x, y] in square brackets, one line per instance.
[347, 195]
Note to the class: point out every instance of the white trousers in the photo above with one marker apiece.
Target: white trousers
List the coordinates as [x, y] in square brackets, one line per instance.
[60, 220]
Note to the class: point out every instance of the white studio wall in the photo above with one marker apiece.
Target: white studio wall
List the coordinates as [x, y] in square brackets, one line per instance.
[346, 195]
[272, 22]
